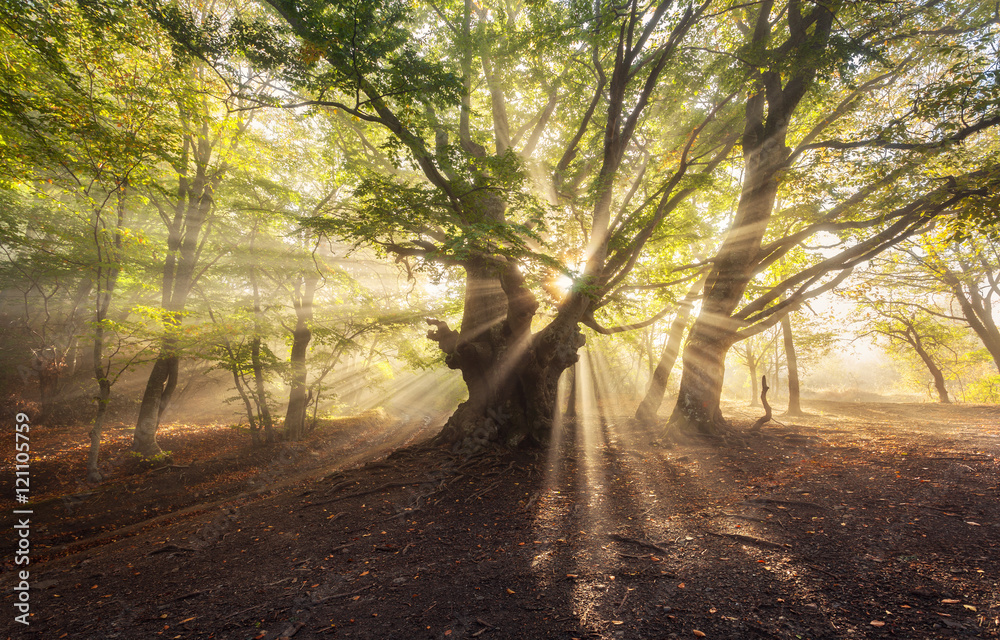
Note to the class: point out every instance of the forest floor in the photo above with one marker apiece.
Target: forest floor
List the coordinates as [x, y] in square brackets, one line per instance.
[855, 521]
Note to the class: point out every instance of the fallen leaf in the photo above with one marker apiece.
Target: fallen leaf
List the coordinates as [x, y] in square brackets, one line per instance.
[363, 573]
[698, 634]
[510, 591]
[950, 601]
[877, 623]
[187, 619]
[975, 524]
[617, 622]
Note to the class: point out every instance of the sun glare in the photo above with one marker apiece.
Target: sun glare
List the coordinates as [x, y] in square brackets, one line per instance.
[564, 283]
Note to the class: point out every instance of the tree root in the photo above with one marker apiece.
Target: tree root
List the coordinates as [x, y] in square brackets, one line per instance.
[748, 540]
[641, 543]
[788, 503]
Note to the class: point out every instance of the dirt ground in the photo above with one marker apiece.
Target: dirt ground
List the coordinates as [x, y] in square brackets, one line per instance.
[856, 521]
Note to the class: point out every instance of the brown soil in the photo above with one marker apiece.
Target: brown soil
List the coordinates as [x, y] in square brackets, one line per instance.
[858, 520]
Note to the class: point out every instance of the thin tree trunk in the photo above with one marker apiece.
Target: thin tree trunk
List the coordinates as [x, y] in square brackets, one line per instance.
[764, 419]
[258, 377]
[939, 385]
[650, 405]
[191, 211]
[794, 405]
[295, 415]
[752, 367]
[104, 396]
[251, 416]
[258, 367]
[571, 397]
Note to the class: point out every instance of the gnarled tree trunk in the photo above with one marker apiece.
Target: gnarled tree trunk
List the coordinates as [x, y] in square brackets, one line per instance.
[512, 375]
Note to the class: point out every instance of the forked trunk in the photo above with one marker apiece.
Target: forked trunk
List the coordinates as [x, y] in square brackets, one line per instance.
[768, 111]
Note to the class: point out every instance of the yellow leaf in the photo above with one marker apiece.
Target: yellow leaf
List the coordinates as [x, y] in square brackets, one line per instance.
[510, 591]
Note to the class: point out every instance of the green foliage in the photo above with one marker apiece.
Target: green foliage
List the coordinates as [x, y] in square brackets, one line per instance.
[986, 389]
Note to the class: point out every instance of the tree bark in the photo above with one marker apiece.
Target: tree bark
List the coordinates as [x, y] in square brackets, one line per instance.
[939, 385]
[194, 203]
[752, 360]
[512, 375]
[764, 419]
[144, 439]
[104, 396]
[765, 155]
[295, 414]
[261, 391]
[704, 366]
[794, 404]
[650, 405]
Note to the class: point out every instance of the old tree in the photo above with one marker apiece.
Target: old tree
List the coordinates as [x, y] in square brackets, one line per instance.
[524, 144]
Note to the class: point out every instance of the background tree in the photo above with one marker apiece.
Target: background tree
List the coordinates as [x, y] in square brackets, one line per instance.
[87, 125]
[813, 71]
